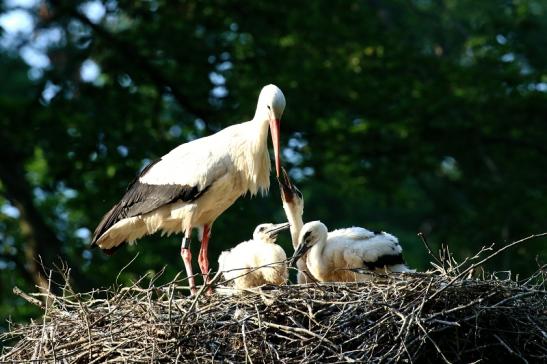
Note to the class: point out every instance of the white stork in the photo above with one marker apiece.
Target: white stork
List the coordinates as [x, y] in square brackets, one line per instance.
[256, 262]
[196, 182]
[376, 250]
[333, 255]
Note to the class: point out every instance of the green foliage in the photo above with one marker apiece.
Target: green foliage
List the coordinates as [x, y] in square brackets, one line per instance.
[405, 116]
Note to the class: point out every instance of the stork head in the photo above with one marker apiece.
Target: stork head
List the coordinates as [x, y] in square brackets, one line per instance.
[311, 233]
[293, 201]
[268, 232]
[271, 104]
[289, 191]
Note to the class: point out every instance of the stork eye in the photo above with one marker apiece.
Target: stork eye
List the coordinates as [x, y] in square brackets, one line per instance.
[269, 108]
[262, 228]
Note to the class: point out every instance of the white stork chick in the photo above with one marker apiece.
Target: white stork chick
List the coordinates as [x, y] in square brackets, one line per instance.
[258, 261]
[332, 255]
[293, 204]
[196, 182]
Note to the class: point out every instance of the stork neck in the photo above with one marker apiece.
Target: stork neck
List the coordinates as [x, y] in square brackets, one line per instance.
[253, 160]
[259, 129]
[295, 219]
[296, 226]
[315, 256]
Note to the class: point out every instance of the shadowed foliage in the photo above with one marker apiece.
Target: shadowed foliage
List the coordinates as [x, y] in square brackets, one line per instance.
[402, 116]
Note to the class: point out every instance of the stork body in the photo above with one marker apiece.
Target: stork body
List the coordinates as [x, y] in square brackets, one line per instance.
[342, 249]
[258, 261]
[332, 255]
[196, 182]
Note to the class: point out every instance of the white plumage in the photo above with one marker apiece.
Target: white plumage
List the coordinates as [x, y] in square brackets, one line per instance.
[258, 261]
[196, 182]
[332, 255]
[351, 248]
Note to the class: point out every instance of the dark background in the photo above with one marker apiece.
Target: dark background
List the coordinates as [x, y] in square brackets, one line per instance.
[408, 116]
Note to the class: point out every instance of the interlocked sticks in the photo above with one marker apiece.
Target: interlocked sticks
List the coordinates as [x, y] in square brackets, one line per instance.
[423, 317]
[388, 319]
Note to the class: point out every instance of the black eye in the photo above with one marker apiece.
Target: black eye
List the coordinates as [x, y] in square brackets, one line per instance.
[269, 108]
[262, 228]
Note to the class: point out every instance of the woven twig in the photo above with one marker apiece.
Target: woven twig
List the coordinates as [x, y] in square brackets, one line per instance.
[439, 316]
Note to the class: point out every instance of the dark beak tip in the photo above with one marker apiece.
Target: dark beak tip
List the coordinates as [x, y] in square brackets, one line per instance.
[286, 177]
[275, 230]
[292, 261]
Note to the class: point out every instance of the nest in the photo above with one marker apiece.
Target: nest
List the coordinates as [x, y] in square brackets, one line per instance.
[427, 317]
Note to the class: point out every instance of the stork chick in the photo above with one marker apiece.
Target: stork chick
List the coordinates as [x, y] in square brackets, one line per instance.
[258, 261]
[293, 204]
[332, 256]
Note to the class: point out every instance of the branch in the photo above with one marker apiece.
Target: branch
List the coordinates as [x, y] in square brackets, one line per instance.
[424, 240]
[475, 265]
[17, 291]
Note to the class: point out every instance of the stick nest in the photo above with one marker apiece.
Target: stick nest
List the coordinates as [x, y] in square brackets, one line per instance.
[427, 317]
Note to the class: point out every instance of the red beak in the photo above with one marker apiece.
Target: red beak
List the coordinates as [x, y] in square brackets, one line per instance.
[274, 129]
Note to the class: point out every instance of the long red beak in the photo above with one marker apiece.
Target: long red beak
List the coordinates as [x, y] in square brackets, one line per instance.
[274, 129]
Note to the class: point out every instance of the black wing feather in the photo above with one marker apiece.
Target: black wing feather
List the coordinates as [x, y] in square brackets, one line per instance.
[141, 198]
[385, 260]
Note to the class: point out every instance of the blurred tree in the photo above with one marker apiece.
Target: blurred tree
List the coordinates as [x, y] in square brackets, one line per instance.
[416, 115]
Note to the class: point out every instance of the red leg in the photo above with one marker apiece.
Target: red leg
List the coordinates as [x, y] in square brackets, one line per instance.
[186, 255]
[202, 259]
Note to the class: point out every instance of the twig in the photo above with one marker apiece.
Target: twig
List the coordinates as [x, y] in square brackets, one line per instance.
[475, 265]
[423, 239]
[511, 351]
[199, 293]
[17, 291]
[247, 356]
[125, 266]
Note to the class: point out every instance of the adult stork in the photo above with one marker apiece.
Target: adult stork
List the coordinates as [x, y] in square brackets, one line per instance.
[196, 182]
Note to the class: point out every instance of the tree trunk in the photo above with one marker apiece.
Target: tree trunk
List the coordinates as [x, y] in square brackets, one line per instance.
[40, 245]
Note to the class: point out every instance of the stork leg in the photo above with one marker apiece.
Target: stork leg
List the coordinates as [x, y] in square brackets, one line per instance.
[203, 259]
[186, 255]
